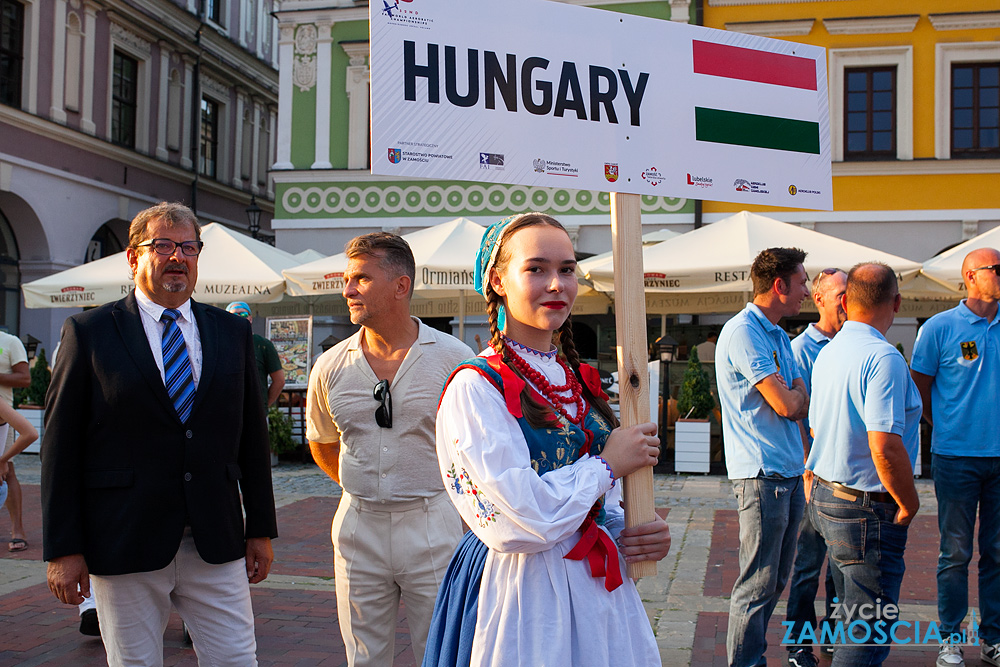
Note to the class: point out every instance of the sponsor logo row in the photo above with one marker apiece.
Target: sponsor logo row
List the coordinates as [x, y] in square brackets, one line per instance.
[496, 162]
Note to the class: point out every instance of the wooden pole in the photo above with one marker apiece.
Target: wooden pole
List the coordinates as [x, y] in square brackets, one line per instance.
[633, 369]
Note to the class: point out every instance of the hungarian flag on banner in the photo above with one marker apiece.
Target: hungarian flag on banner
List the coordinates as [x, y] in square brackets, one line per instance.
[738, 128]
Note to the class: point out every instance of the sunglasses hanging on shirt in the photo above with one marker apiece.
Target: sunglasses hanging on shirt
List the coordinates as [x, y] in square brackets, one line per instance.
[383, 413]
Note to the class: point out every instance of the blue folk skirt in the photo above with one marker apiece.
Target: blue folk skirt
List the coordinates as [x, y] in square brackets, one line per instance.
[453, 625]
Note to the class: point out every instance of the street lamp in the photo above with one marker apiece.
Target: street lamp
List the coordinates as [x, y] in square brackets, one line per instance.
[666, 347]
[253, 216]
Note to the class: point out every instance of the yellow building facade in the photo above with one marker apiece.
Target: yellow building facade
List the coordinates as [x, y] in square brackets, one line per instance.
[914, 102]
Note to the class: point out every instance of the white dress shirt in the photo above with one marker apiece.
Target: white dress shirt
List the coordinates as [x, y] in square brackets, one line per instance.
[150, 313]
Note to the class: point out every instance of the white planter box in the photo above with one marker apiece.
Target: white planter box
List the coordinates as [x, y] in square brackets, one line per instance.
[692, 445]
[35, 417]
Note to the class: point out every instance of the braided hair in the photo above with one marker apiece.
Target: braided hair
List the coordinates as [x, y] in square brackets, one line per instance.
[538, 414]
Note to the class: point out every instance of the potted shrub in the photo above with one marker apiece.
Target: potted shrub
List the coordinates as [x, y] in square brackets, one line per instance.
[279, 432]
[692, 431]
[30, 400]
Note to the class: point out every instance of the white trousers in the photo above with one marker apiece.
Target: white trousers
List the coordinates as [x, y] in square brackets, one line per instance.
[213, 600]
[382, 552]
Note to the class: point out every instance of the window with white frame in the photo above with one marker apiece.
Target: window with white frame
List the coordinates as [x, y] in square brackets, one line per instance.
[263, 147]
[129, 89]
[975, 109]
[124, 99]
[11, 51]
[175, 98]
[867, 121]
[870, 113]
[967, 100]
[208, 164]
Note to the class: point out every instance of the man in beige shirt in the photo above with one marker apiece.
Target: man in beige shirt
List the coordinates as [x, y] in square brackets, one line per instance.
[371, 411]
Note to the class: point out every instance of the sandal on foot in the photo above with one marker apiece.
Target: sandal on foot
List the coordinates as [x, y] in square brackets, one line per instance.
[17, 544]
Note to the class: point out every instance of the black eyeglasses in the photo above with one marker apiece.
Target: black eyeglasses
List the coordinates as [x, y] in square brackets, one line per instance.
[168, 247]
[383, 413]
[993, 267]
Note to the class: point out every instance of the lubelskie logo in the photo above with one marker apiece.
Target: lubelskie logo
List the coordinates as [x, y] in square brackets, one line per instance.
[652, 176]
[491, 160]
[395, 155]
[611, 171]
[700, 181]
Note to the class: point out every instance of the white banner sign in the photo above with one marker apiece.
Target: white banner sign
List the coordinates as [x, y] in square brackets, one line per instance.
[542, 93]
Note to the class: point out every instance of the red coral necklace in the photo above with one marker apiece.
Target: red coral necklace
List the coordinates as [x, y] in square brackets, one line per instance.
[550, 391]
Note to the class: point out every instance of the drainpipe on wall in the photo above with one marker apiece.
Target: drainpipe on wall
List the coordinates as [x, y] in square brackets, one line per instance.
[196, 109]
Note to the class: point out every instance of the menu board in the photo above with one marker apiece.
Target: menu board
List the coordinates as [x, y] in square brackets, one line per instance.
[292, 338]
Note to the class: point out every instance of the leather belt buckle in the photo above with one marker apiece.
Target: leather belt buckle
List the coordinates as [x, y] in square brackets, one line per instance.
[837, 493]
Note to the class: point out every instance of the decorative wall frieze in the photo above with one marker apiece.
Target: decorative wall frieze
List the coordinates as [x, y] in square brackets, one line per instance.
[214, 86]
[367, 200]
[129, 39]
[304, 64]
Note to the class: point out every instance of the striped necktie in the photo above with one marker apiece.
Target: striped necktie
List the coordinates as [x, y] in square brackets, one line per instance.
[177, 374]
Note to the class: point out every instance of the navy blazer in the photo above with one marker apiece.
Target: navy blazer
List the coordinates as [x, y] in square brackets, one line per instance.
[122, 476]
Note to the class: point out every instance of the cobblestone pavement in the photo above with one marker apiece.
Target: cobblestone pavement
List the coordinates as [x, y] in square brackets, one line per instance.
[687, 601]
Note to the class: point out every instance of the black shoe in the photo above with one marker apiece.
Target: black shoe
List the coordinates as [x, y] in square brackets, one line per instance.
[802, 657]
[89, 625]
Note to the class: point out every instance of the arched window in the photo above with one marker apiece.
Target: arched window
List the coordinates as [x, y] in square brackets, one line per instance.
[103, 243]
[10, 290]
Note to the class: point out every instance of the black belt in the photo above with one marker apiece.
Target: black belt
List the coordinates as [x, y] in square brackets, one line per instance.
[853, 495]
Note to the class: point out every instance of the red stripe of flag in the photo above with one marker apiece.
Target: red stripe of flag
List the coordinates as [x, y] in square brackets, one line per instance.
[735, 62]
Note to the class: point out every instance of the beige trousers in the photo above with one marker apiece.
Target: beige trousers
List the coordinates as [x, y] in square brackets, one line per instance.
[382, 552]
[213, 600]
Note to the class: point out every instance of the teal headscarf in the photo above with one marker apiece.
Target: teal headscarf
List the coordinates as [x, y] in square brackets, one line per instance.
[485, 259]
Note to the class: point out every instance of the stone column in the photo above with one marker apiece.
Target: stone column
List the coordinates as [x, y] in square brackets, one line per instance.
[56, 111]
[286, 63]
[358, 78]
[186, 113]
[90, 10]
[323, 92]
[162, 106]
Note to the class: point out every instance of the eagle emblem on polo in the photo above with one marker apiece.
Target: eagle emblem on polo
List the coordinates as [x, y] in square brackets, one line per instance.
[969, 350]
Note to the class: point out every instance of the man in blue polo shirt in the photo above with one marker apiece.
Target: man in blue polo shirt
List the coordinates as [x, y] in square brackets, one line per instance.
[763, 397]
[828, 288]
[956, 365]
[864, 415]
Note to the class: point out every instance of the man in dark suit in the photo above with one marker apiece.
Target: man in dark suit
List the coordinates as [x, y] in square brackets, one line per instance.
[154, 428]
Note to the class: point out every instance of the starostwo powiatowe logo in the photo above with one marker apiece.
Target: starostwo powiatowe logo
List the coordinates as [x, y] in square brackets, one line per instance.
[611, 171]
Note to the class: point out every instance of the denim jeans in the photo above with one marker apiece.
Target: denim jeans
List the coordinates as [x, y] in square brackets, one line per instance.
[868, 549]
[962, 483]
[810, 553]
[770, 510]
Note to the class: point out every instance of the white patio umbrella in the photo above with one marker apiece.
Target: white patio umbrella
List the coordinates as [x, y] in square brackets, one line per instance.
[309, 255]
[445, 257]
[708, 270]
[231, 267]
[652, 238]
[943, 272]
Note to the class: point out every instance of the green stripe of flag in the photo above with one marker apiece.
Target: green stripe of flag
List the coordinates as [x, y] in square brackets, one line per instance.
[747, 129]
